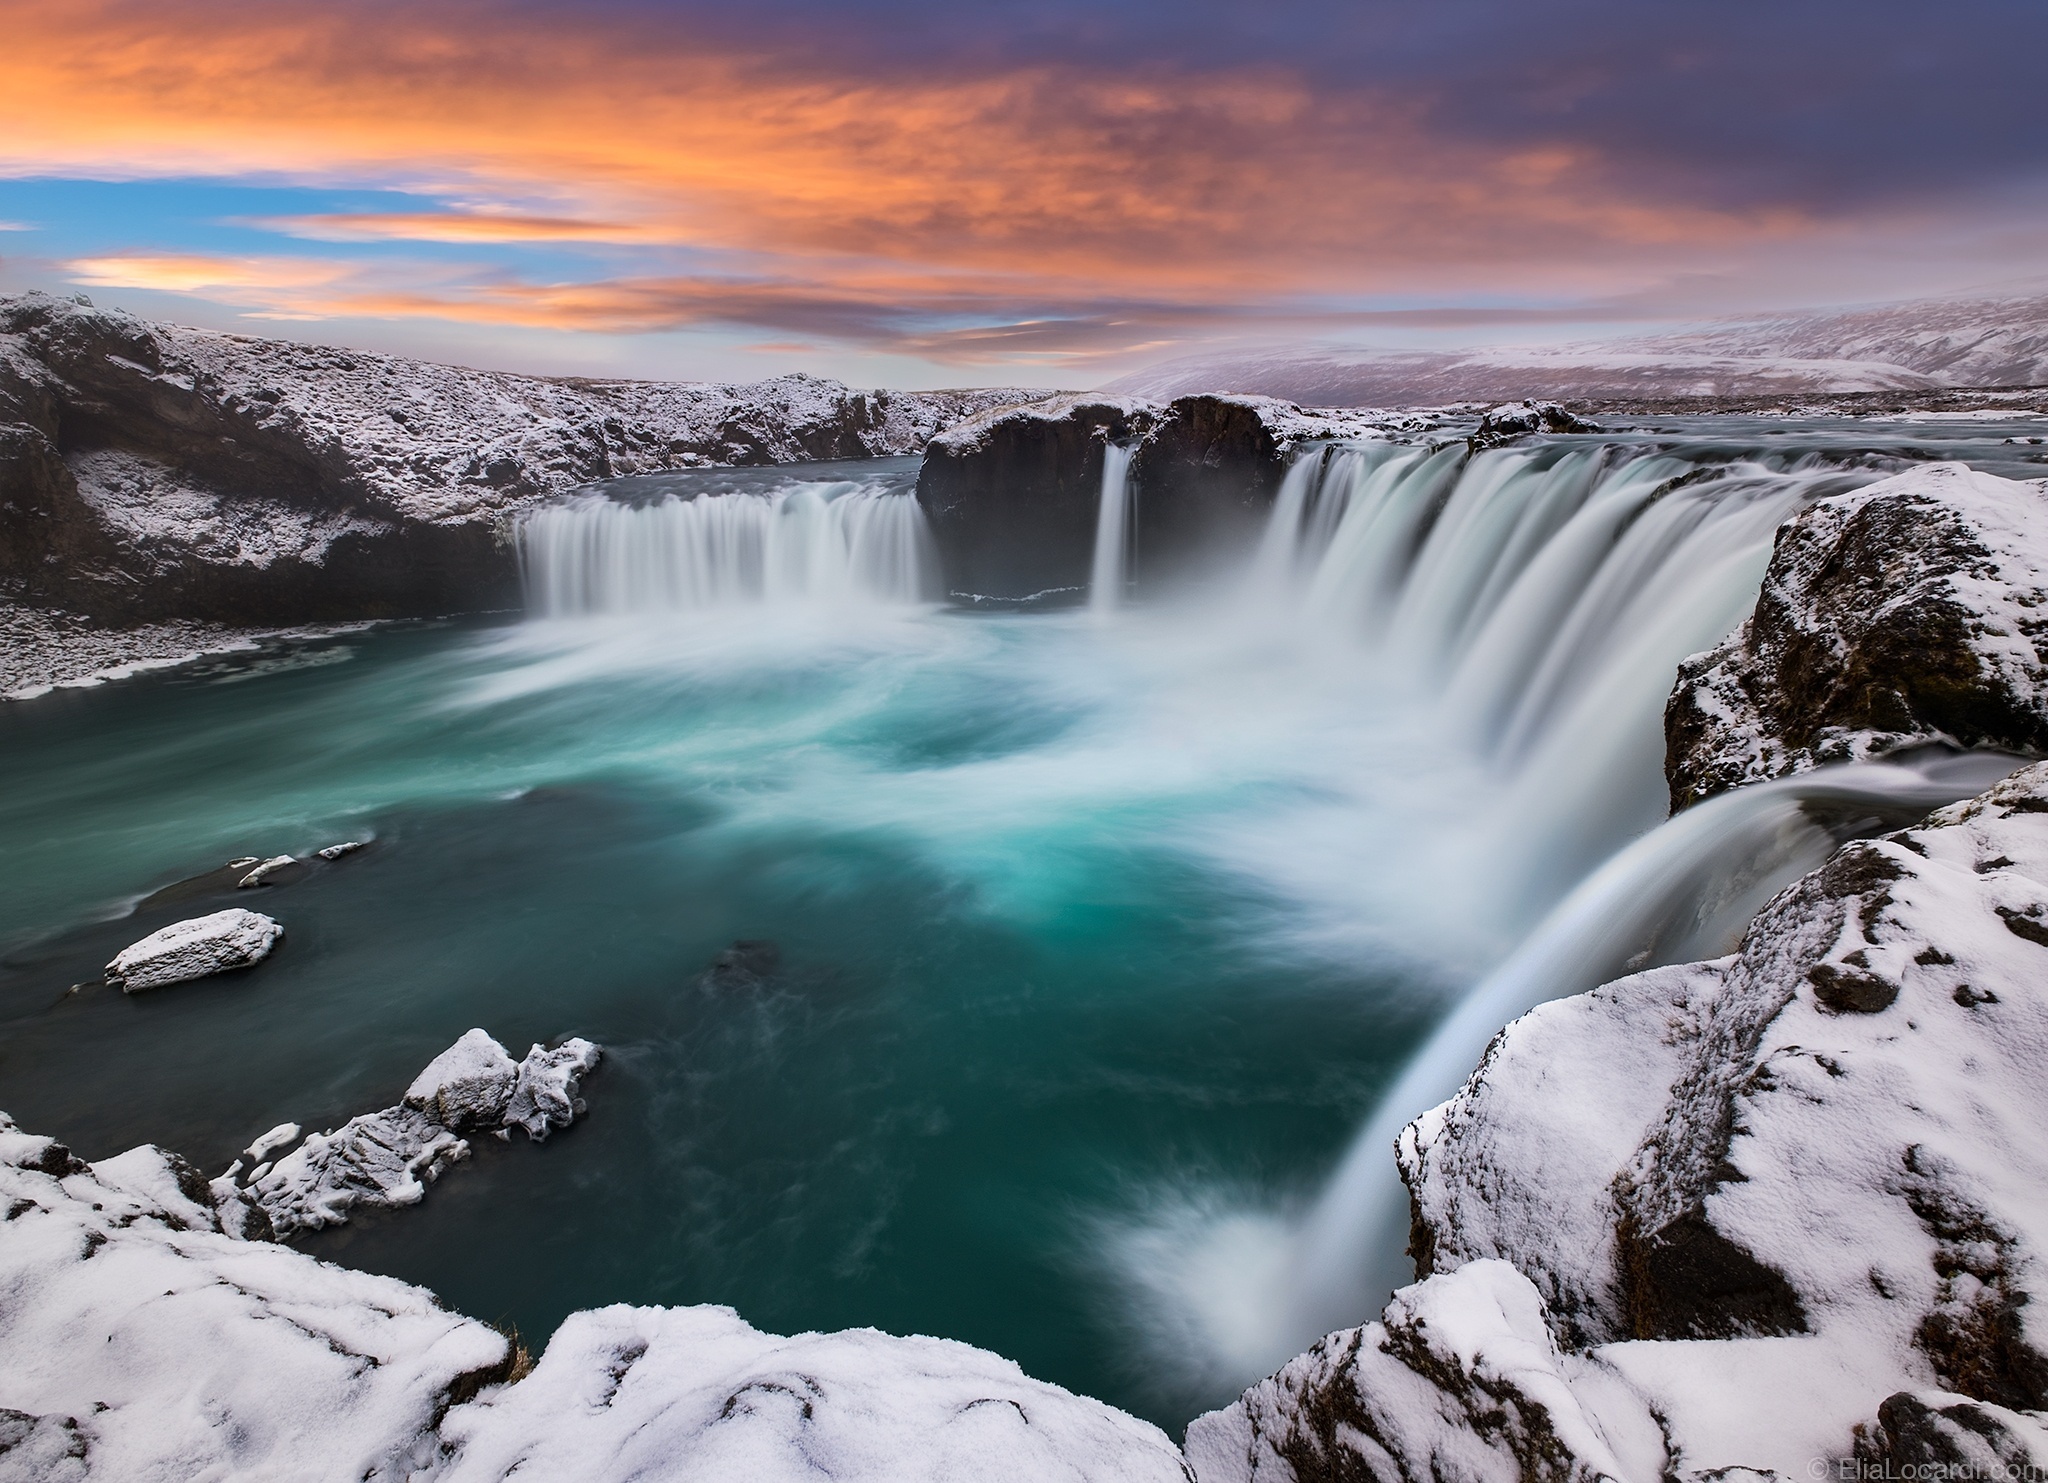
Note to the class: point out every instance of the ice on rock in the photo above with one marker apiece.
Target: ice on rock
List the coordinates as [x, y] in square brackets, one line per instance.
[194, 948]
[266, 872]
[142, 1343]
[388, 1158]
[336, 851]
[696, 1395]
[276, 1141]
[468, 1086]
[379, 1160]
[545, 1097]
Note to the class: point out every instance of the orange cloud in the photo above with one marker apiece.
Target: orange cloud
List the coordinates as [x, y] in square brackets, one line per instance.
[194, 273]
[456, 227]
[1035, 200]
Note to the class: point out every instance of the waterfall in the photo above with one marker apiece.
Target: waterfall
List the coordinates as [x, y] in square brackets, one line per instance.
[844, 542]
[1112, 523]
[1537, 600]
[1531, 606]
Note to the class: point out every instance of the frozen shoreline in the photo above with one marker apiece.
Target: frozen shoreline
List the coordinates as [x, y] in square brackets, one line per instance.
[43, 650]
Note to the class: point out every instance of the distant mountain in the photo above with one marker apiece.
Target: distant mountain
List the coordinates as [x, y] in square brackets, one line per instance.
[1929, 343]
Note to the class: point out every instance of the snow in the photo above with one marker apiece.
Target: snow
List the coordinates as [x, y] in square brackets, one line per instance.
[194, 948]
[544, 1097]
[1761, 1203]
[695, 1395]
[143, 1344]
[1923, 344]
[1954, 558]
[387, 1159]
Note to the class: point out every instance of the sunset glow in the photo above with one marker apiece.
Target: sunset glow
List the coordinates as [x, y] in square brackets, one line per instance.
[634, 170]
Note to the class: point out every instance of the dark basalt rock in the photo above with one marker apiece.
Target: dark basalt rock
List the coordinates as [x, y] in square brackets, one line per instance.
[1011, 498]
[1516, 420]
[1910, 612]
[1688, 1281]
[1012, 495]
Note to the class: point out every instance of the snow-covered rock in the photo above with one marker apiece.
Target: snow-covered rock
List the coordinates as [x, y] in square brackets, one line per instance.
[387, 1159]
[380, 1160]
[695, 1395]
[1912, 610]
[194, 948]
[544, 1097]
[1458, 1379]
[1789, 1206]
[267, 872]
[139, 1342]
[1511, 420]
[468, 1086]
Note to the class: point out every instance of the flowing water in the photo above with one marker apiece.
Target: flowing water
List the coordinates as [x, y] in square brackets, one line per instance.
[1096, 938]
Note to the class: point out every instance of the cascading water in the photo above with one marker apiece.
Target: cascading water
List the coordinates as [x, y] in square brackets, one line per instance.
[1112, 525]
[805, 542]
[1532, 605]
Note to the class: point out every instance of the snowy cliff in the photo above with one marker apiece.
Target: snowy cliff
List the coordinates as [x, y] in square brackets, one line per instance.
[1765, 1213]
[149, 471]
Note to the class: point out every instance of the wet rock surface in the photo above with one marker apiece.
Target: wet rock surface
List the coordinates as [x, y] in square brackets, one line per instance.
[1912, 611]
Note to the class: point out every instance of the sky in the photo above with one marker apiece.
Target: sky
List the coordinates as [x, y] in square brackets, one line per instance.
[1038, 192]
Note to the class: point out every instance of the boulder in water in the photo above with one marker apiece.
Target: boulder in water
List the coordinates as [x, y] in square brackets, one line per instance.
[194, 948]
[747, 964]
[468, 1086]
[1513, 420]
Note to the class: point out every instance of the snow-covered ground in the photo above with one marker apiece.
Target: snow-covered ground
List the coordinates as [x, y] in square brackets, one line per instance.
[1923, 344]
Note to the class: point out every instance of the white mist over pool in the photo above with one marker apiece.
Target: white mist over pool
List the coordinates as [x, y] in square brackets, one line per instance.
[1425, 714]
[843, 542]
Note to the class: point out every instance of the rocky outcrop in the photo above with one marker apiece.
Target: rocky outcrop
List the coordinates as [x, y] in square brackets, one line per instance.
[196, 948]
[1512, 421]
[387, 1159]
[1764, 1212]
[1011, 495]
[150, 472]
[1913, 610]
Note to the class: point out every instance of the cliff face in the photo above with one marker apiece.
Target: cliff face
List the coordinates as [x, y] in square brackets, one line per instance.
[1910, 611]
[1773, 1209]
[149, 471]
[1012, 494]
